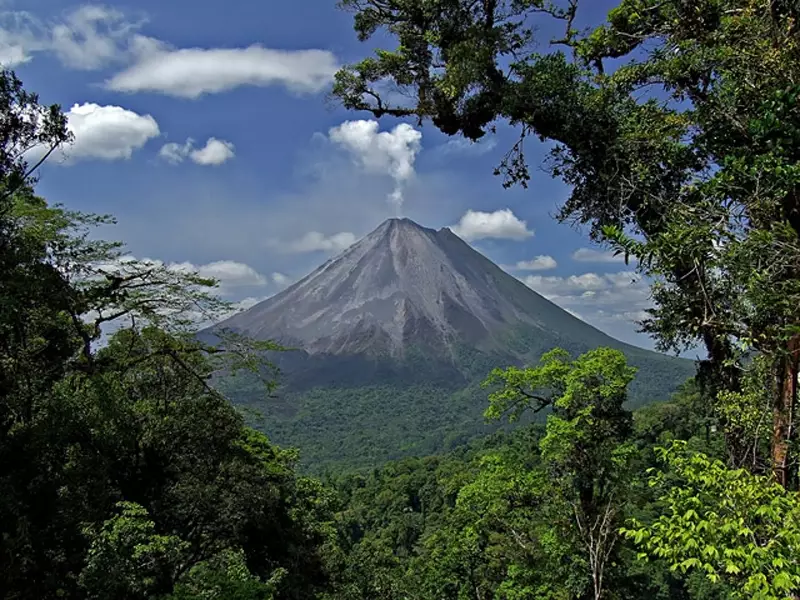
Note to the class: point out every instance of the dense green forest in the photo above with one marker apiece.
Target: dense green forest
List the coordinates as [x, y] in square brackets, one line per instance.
[125, 474]
[424, 405]
[494, 519]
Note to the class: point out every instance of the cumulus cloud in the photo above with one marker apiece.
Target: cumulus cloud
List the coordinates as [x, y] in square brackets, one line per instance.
[558, 287]
[314, 241]
[229, 273]
[539, 263]
[92, 36]
[13, 55]
[246, 303]
[215, 152]
[101, 133]
[193, 72]
[21, 35]
[599, 299]
[175, 153]
[281, 280]
[590, 255]
[87, 37]
[500, 224]
[234, 280]
[391, 152]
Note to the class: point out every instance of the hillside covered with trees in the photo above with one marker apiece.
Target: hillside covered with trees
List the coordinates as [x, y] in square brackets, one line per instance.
[125, 474]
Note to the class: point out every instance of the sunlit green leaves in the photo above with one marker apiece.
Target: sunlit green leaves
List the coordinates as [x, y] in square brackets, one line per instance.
[128, 558]
[729, 524]
[529, 388]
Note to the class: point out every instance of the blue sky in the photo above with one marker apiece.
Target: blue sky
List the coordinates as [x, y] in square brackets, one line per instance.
[205, 129]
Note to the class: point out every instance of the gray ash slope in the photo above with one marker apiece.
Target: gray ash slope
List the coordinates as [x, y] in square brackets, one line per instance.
[400, 285]
[408, 303]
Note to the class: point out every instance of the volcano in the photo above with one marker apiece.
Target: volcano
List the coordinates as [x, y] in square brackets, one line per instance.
[411, 319]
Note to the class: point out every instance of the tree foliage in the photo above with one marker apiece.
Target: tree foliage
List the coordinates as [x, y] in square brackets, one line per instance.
[728, 524]
[585, 449]
[497, 520]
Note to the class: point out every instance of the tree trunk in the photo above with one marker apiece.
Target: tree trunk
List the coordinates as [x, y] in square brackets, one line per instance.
[714, 375]
[783, 414]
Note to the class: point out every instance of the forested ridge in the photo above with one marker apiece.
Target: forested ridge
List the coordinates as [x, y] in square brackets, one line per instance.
[125, 474]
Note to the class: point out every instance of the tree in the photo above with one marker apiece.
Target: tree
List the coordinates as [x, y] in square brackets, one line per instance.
[727, 524]
[128, 559]
[146, 429]
[511, 535]
[26, 126]
[586, 450]
[685, 156]
[494, 520]
[57, 292]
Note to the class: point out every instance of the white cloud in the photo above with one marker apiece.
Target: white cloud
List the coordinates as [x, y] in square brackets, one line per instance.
[192, 72]
[623, 278]
[215, 152]
[175, 153]
[539, 263]
[21, 35]
[13, 55]
[281, 280]
[391, 152]
[500, 224]
[87, 37]
[557, 287]
[246, 303]
[314, 241]
[229, 273]
[92, 36]
[232, 279]
[462, 145]
[598, 299]
[102, 133]
[591, 255]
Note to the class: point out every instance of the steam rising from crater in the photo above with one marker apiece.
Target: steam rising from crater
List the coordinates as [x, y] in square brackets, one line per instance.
[392, 153]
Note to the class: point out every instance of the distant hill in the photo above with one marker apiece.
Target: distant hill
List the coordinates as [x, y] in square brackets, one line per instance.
[394, 336]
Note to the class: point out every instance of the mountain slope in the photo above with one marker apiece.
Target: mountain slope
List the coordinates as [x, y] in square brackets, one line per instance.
[410, 318]
[401, 283]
